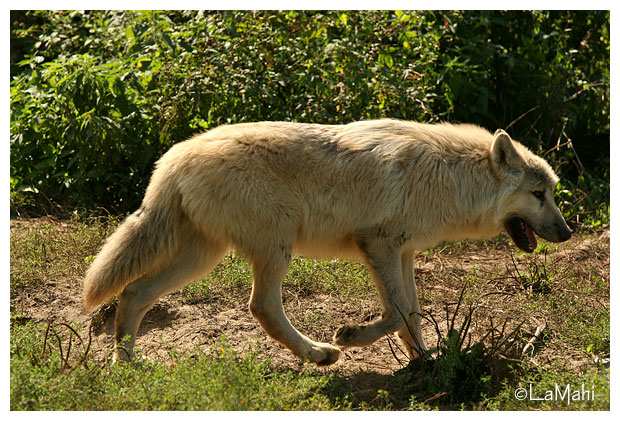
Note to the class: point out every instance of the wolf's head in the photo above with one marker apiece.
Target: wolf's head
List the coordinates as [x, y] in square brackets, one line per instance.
[528, 205]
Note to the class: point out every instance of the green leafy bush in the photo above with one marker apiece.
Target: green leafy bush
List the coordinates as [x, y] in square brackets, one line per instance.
[97, 97]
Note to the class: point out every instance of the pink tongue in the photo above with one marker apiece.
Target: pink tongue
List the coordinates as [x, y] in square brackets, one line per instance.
[530, 235]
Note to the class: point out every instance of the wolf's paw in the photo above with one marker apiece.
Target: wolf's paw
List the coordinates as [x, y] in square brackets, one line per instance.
[414, 349]
[324, 354]
[123, 357]
[349, 335]
[414, 353]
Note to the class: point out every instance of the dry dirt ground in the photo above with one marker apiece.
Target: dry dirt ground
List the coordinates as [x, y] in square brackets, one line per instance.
[176, 322]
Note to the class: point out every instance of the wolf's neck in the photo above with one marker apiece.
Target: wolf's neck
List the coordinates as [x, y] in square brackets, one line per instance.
[478, 198]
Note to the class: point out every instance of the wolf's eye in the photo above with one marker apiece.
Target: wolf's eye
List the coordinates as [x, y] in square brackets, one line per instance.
[538, 194]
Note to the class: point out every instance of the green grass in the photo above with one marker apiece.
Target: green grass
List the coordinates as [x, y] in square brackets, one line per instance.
[557, 388]
[50, 250]
[486, 372]
[48, 376]
[218, 379]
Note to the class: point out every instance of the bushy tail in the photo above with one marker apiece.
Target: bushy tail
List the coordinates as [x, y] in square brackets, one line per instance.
[144, 241]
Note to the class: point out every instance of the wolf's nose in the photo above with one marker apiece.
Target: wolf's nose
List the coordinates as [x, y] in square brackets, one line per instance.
[565, 234]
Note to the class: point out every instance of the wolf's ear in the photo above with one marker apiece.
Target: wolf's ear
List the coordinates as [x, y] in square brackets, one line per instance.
[504, 156]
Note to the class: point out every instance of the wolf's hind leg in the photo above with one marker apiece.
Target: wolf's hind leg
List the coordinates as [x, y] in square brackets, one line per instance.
[384, 260]
[196, 257]
[410, 335]
[266, 306]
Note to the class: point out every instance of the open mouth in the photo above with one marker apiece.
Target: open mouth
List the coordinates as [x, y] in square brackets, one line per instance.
[521, 233]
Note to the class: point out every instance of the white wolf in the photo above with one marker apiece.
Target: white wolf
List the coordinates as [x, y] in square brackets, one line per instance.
[372, 190]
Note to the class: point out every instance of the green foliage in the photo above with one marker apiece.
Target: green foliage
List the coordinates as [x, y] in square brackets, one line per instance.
[545, 383]
[591, 331]
[97, 97]
[83, 123]
[44, 254]
[48, 374]
[228, 277]
[460, 371]
[89, 119]
[538, 69]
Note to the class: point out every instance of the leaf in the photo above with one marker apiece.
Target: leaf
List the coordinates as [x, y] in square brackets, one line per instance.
[386, 60]
[129, 34]
[168, 41]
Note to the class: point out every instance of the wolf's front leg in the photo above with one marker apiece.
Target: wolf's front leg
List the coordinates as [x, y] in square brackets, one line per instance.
[383, 257]
[410, 335]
